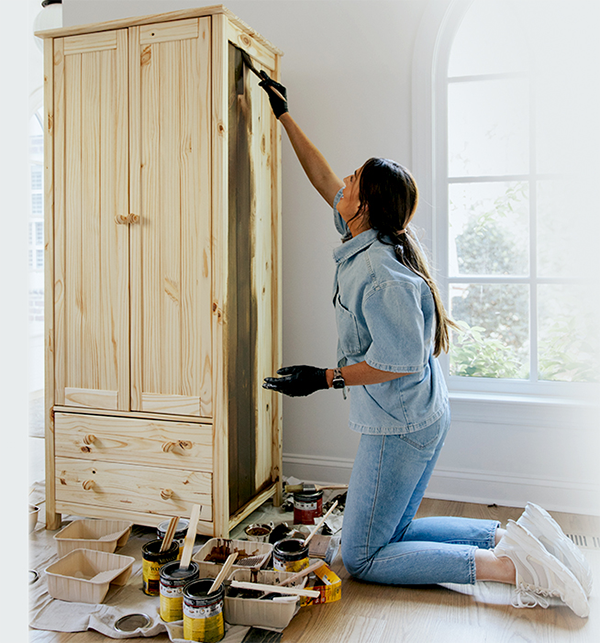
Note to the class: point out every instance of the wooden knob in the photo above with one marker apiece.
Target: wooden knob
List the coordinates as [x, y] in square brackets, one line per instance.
[122, 219]
[89, 439]
[166, 494]
[167, 447]
[88, 484]
[185, 444]
[134, 218]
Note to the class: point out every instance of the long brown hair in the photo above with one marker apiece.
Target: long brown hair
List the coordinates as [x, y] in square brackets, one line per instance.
[388, 199]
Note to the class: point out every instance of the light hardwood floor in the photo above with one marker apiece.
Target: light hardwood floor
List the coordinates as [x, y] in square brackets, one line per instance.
[482, 613]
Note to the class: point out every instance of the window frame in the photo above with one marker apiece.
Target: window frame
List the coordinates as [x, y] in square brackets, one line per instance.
[439, 26]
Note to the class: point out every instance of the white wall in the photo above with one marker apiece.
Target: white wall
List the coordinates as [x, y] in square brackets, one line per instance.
[348, 70]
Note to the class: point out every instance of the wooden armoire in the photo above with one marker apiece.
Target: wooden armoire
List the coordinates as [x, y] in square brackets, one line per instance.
[163, 253]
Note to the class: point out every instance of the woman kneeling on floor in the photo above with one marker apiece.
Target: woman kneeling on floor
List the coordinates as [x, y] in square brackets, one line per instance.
[391, 328]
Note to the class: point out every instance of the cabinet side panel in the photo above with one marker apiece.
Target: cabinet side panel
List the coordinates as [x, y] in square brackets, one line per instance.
[52, 520]
[241, 303]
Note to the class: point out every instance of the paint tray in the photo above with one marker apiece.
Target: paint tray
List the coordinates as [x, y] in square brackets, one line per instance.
[253, 611]
[102, 535]
[84, 575]
[255, 554]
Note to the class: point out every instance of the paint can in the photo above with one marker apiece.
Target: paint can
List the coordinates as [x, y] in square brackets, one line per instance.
[152, 560]
[172, 581]
[203, 612]
[180, 532]
[259, 532]
[308, 505]
[290, 555]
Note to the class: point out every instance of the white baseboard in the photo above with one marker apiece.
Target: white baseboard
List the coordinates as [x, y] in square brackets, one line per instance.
[481, 487]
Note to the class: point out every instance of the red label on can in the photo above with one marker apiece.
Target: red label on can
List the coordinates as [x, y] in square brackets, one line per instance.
[305, 511]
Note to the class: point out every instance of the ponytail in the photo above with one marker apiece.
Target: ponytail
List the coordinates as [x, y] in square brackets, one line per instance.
[388, 197]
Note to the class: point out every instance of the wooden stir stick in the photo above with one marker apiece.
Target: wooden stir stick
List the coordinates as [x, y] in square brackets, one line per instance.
[190, 538]
[169, 534]
[318, 525]
[222, 575]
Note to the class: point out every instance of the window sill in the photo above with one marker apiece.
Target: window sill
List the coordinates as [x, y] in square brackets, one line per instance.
[533, 411]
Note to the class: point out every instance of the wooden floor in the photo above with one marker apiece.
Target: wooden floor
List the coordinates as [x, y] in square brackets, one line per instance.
[482, 613]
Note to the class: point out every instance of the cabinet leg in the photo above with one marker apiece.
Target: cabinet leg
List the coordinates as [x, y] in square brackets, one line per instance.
[53, 520]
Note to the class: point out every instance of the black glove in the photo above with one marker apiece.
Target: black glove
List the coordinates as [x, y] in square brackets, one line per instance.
[297, 380]
[277, 94]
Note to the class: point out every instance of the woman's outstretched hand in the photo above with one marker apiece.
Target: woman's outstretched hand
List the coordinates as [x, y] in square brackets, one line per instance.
[297, 381]
[277, 94]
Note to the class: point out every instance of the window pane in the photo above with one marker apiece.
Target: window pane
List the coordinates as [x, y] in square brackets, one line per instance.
[489, 228]
[568, 337]
[488, 41]
[488, 128]
[494, 341]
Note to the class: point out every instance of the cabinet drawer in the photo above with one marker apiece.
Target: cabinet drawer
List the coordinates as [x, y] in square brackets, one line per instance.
[137, 488]
[159, 443]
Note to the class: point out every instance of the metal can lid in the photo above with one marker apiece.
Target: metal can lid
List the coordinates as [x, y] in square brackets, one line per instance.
[132, 622]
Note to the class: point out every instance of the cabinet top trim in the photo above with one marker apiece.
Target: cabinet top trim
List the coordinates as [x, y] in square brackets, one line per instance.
[183, 14]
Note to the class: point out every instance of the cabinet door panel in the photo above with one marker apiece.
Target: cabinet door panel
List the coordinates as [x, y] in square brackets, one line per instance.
[91, 249]
[171, 246]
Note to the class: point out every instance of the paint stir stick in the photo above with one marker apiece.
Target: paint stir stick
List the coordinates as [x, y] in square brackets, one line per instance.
[169, 534]
[223, 573]
[190, 538]
[318, 525]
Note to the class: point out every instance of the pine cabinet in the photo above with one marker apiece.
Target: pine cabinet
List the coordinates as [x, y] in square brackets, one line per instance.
[163, 257]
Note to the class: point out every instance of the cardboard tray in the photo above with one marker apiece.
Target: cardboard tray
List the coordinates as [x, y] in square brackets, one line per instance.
[89, 534]
[253, 611]
[84, 575]
[260, 551]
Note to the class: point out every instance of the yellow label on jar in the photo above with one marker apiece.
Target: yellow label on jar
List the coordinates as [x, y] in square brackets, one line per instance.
[290, 565]
[203, 624]
[171, 603]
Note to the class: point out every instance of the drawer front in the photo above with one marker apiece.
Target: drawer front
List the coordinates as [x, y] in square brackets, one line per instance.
[136, 488]
[135, 441]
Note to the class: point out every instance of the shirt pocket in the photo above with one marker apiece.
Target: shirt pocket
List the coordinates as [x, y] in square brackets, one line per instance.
[347, 327]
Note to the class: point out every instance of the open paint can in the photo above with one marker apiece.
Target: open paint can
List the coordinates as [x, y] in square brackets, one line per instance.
[308, 505]
[172, 581]
[203, 612]
[290, 555]
[152, 561]
[180, 532]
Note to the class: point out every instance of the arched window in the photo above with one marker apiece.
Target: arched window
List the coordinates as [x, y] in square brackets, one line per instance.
[514, 220]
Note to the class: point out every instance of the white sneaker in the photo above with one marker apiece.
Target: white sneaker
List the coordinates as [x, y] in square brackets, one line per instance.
[541, 524]
[539, 574]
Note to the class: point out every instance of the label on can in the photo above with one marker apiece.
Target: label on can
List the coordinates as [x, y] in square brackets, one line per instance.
[290, 565]
[151, 576]
[171, 603]
[203, 624]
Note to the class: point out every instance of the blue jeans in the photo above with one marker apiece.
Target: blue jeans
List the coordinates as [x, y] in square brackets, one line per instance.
[381, 542]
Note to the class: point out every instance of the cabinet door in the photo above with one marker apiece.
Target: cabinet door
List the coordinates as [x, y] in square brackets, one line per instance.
[91, 249]
[171, 191]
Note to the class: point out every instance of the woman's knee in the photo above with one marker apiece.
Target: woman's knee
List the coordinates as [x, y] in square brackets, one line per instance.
[356, 564]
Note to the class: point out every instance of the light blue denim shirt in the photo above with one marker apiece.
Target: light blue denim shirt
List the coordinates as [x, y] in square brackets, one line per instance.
[385, 315]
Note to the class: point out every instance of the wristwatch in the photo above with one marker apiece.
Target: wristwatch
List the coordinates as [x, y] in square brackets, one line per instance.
[338, 379]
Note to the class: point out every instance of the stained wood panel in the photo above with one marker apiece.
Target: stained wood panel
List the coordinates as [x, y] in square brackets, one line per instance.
[139, 488]
[163, 444]
[91, 273]
[171, 250]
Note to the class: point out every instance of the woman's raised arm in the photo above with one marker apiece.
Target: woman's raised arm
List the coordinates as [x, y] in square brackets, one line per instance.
[315, 165]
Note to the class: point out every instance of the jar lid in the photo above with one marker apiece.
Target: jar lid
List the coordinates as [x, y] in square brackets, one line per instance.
[132, 622]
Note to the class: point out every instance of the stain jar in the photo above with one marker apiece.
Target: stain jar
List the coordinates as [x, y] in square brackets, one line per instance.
[172, 581]
[203, 612]
[290, 555]
[152, 561]
[180, 532]
[308, 505]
